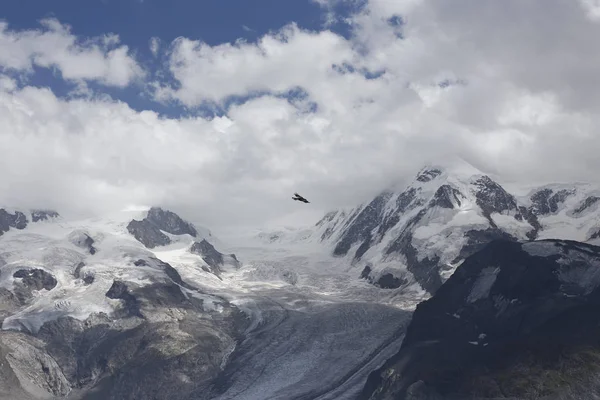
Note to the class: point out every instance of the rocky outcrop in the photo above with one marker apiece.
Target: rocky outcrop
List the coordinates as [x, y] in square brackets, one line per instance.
[150, 230]
[587, 203]
[8, 220]
[82, 240]
[174, 353]
[170, 222]
[131, 307]
[147, 233]
[215, 260]
[43, 215]
[362, 226]
[29, 280]
[438, 220]
[514, 321]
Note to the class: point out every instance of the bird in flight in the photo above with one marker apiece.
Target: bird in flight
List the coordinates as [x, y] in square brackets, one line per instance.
[297, 197]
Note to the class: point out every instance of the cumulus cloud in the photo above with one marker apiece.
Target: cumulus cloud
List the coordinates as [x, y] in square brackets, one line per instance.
[100, 59]
[154, 45]
[508, 86]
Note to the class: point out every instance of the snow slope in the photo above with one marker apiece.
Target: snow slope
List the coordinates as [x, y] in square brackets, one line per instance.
[311, 327]
[422, 231]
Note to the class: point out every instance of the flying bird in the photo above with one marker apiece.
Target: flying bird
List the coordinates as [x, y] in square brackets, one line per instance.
[297, 197]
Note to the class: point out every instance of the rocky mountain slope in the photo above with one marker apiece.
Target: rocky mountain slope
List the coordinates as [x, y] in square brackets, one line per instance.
[89, 311]
[515, 321]
[423, 231]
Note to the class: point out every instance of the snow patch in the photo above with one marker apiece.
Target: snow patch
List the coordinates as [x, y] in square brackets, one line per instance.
[541, 249]
[482, 286]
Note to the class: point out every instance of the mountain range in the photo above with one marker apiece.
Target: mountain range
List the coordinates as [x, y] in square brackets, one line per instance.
[423, 231]
[146, 305]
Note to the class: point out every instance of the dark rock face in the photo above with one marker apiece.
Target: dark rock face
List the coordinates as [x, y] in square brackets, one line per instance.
[43, 215]
[147, 233]
[389, 281]
[385, 281]
[208, 253]
[405, 201]
[328, 220]
[478, 239]
[515, 321]
[18, 220]
[30, 280]
[83, 240]
[213, 257]
[36, 279]
[446, 196]
[149, 230]
[546, 201]
[88, 278]
[366, 272]
[362, 226]
[492, 198]
[428, 174]
[587, 203]
[170, 222]
[425, 271]
[131, 306]
[102, 358]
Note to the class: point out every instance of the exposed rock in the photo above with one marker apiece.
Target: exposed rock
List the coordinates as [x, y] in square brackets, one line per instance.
[176, 355]
[147, 233]
[18, 220]
[331, 220]
[366, 272]
[212, 257]
[546, 201]
[131, 306]
[428, 174]
[83, 240]
[587, 203]
[477, 239]
[43, 215]
[425, 270]
[492, 198]
[36, 372]
[389, 281]
[514, 321]
[447, 197]
[362, 226]
[384, 281]
[208, 253]
[170, 222]
[404, 202]
[87, 277]
[36, 279]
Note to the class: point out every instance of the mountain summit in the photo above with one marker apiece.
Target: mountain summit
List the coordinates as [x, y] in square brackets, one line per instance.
[421, 232]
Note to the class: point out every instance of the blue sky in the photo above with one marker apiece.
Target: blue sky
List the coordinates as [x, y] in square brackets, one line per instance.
[137, 21]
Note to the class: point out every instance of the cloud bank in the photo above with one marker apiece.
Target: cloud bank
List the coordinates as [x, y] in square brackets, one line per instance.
[509, 86]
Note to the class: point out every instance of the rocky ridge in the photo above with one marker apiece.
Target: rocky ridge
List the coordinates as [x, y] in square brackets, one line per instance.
[423, 231]
[515, 321]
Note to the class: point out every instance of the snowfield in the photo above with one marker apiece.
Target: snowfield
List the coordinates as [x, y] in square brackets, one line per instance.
[316, 331]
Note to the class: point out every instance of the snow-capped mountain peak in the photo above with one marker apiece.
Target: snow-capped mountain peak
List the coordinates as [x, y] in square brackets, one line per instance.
[422, 231]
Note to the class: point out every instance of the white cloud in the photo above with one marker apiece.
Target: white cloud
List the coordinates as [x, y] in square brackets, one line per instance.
[154, 45]
[99, 59]
[278, 62]
[592, 8]
[526, 109]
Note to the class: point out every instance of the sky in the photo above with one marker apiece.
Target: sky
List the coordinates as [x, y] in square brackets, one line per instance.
[221, 110]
